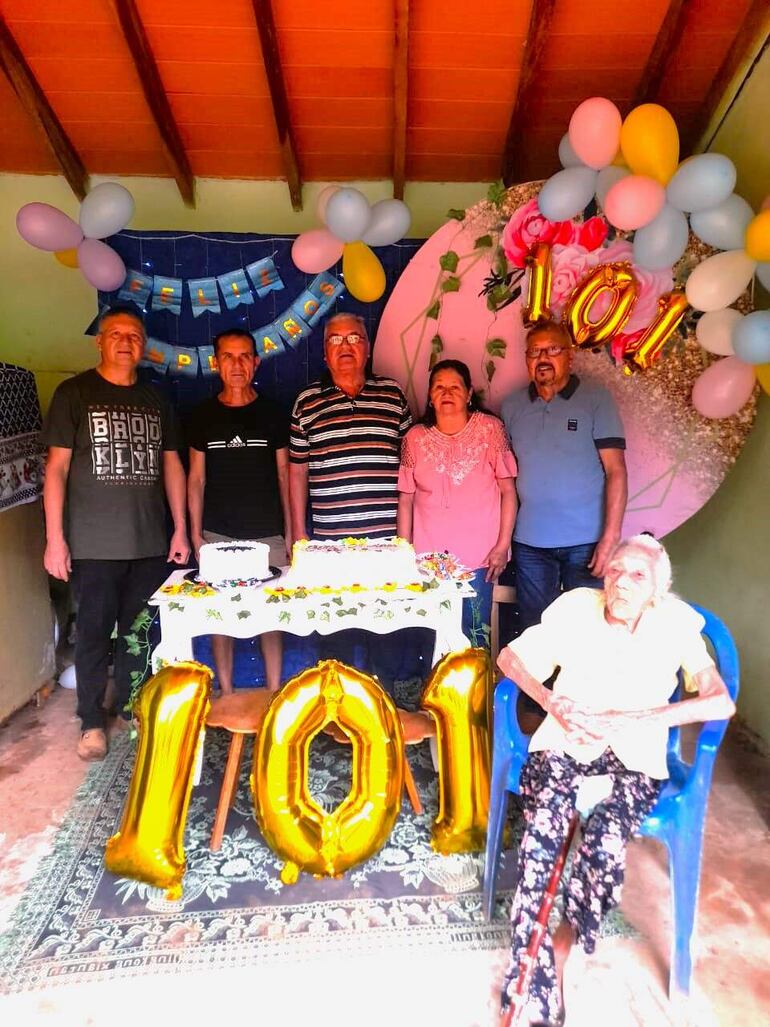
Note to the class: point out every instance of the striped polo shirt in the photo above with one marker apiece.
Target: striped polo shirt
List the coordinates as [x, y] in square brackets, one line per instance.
[352, 447]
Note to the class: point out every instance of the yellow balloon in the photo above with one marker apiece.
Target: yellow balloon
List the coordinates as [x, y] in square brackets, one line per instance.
[762, 371]
[69, 258]
[649, 142]
[758, 236]
[363, 272]
[292, 822]
[457, 694]
[171, 709]
[618, 280]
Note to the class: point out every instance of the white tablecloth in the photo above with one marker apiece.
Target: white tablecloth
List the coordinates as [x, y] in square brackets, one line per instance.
[245, 612]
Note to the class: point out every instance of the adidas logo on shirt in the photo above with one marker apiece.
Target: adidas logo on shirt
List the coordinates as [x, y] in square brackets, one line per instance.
[236, 442]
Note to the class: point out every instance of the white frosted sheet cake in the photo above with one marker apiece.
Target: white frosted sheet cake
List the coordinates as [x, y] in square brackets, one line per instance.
[368, 563]
[240, 560]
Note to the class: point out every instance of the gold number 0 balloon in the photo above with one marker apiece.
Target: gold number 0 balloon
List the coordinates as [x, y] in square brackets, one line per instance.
[616, 279]
[171, 710]
[291, 821]
[457, 695]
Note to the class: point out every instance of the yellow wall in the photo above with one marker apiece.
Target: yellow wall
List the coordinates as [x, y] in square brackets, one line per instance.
[722, 555]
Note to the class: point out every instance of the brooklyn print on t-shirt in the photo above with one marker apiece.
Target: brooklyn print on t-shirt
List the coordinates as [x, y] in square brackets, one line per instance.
[125, 444]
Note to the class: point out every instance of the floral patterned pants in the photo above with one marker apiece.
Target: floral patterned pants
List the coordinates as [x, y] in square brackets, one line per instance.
[549, 784]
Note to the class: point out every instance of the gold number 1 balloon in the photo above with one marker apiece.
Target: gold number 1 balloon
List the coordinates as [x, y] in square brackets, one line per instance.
[457, 696]
[171, 710]
[292, 822]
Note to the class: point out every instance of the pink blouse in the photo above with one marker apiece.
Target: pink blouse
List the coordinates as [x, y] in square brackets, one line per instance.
[454, 481]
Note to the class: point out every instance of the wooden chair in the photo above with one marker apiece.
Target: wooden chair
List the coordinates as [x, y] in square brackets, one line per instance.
[240, 713]
[500, 594]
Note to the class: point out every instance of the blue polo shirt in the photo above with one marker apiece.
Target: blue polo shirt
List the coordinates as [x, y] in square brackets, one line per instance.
[561, 477]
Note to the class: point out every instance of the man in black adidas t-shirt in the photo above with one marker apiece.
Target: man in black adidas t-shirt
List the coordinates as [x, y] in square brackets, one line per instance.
[238, 485]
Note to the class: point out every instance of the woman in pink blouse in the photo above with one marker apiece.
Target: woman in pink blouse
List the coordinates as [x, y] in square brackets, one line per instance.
[456, 488]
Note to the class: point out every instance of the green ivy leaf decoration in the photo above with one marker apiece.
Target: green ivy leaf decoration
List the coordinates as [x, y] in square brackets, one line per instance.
[496, 193]
[448, 261]
[132, 645]
[451, 284]
[456, 214]
[497, 347]
[434, 311]
[490, 369]
[484, 242]
[436, 349]
[243, 614]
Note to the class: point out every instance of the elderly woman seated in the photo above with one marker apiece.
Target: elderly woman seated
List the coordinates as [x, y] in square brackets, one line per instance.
[619, 651]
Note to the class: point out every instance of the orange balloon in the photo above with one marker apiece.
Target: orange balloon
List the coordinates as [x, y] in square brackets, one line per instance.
[618, 280]
[457, 695]
[647, 349]
[539, 288]
[69, 258]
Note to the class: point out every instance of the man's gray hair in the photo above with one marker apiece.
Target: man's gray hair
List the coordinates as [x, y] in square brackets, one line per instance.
[330, 325]
[655, 553]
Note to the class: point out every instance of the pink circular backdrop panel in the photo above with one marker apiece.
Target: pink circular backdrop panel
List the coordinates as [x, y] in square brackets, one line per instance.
[676, 458]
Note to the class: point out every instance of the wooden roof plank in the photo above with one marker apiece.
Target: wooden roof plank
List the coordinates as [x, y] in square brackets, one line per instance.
[666, 42]
[263, 15]
[537, 35]
[36, 104]
[400, 96]
[157, 101]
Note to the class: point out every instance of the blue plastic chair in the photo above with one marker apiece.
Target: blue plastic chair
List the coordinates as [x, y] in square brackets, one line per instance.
[677, 819]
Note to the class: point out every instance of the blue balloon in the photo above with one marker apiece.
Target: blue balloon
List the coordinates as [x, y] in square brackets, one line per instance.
[567, 156]
[701, 182]
[763, 274]
[751, 338]
[723, 226]
[661, 243]
[567, 193]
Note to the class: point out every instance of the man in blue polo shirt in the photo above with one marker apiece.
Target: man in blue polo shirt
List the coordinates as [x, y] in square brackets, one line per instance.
[568, 440]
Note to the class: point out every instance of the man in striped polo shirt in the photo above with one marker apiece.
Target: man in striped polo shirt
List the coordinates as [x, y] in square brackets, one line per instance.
[345, 443]
[344, 452]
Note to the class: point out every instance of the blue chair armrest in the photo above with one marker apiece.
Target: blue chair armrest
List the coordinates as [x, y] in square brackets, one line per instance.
[506, 721]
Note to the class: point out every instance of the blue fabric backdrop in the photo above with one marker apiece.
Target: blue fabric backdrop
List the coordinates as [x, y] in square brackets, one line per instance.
[202, 255]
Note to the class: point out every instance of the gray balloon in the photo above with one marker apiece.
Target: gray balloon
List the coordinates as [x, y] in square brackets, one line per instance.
[661, 243]
[723, 226]
[607, 178]
[701, 182]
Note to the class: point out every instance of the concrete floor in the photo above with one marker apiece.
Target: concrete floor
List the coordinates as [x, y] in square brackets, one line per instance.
[623, 983]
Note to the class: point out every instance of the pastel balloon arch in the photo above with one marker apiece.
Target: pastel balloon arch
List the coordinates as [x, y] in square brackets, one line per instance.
[623, 245]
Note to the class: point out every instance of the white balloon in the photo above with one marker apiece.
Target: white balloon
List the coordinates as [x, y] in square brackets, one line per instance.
[67, 678]
[720, 280]
[390, 222]
[607, 178]
[106, 210]
[714, 331]
[662, 242]
[323, 199]
[348, 214]
[701, 182]
[567, 193]
[723, 226]
[763, 275]
[567, 156]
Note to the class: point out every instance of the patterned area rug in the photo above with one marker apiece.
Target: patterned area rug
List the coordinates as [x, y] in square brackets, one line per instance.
[78, 923]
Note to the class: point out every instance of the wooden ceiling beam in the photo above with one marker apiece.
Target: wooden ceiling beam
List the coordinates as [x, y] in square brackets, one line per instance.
[540, 18]
[666, 42]
[35, 103]
[400, 96]
[155, 95]
[751, 39]
[263, 15]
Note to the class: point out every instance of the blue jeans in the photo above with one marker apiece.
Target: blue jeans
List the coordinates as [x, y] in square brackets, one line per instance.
[542, 575]
[477, 611]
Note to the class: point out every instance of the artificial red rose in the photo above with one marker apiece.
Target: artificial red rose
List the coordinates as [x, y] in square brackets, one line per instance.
[528, 227]
[621, 342]
[592, 233]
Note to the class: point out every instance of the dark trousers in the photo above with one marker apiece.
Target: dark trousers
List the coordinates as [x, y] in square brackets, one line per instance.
[543, 574]
[108, 591]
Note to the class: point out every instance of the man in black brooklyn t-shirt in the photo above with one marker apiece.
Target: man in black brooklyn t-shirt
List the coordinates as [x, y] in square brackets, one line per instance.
[238, 485]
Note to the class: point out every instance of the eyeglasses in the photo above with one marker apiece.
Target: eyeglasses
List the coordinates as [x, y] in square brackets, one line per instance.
[354, 338]
[549, 351]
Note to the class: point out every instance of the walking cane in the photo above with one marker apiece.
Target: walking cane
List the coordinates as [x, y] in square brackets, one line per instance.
[528, 961]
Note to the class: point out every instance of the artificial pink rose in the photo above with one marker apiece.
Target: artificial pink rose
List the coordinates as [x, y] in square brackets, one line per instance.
[592, 233]
[569, 264]
[527, 227]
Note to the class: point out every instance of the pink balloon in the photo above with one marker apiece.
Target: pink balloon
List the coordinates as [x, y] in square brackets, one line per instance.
[101, 265]
[634, 201]
[316, 250]
[47, 227]
[594, 131]
[723, 388]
